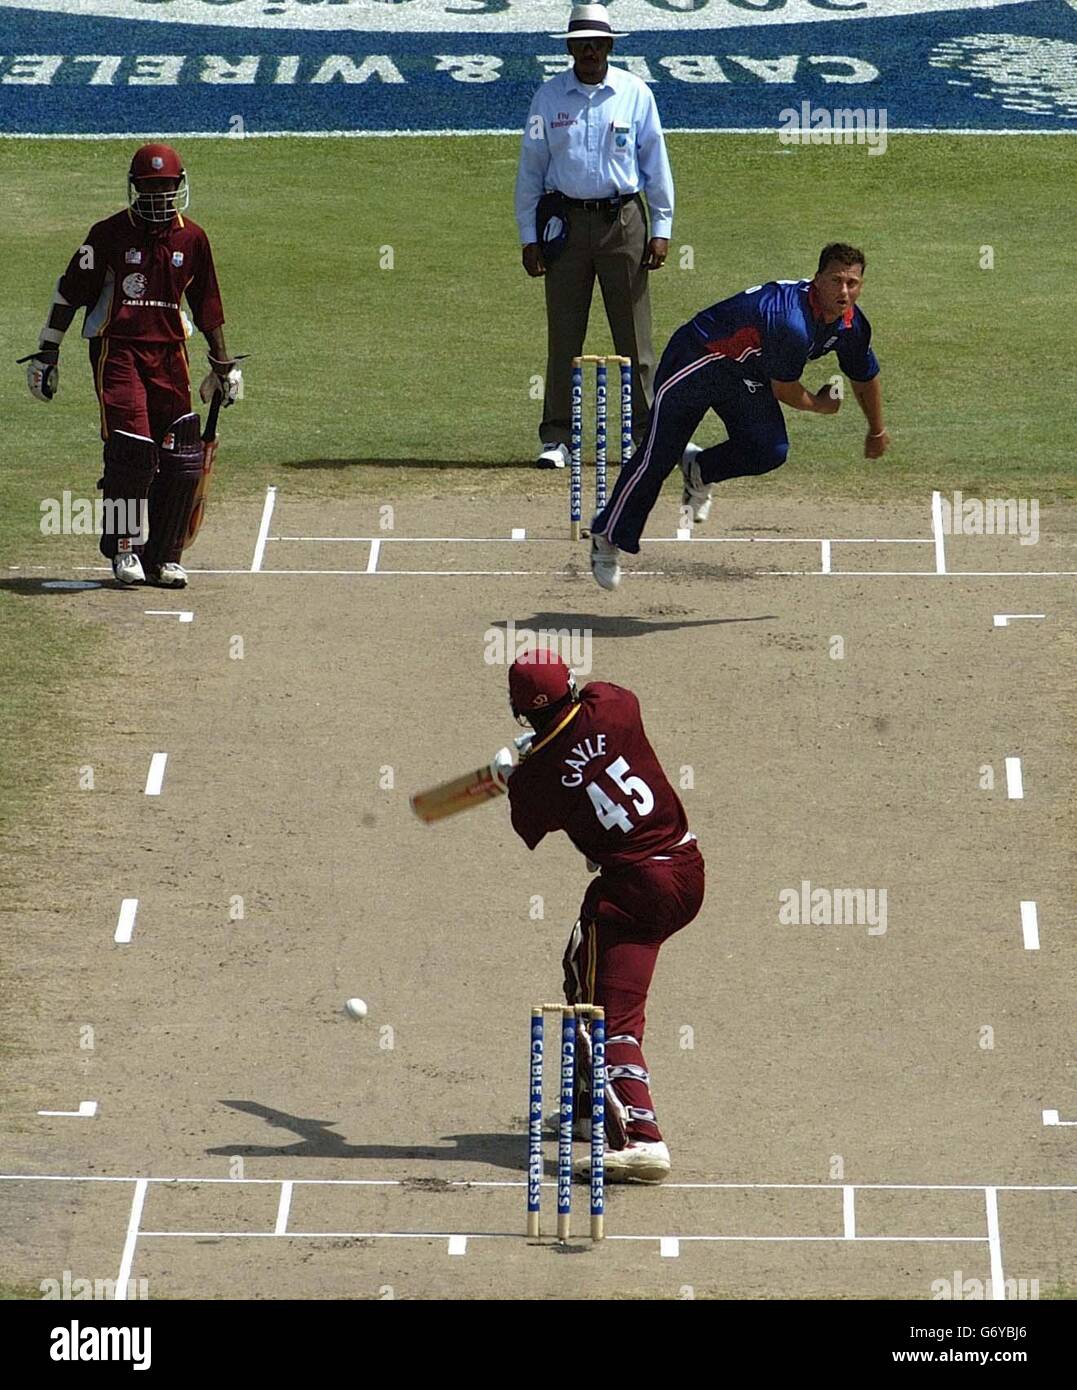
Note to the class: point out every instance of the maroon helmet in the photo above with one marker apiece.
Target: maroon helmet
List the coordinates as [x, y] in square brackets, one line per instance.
[538, 682]
[158, 202]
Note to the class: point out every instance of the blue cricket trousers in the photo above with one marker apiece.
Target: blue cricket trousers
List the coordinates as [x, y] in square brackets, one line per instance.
[688, 383]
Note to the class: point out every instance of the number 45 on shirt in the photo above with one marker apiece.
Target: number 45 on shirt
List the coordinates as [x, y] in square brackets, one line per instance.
[609, 812]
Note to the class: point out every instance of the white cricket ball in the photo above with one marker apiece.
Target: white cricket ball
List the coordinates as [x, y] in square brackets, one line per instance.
[355, 1008]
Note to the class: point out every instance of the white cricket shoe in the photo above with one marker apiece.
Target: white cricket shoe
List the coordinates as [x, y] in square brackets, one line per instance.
[581, 1126]
[127, 568]
[605, 562]
[170, 576]
[639, 1161]
[695, 493]
[554, 456]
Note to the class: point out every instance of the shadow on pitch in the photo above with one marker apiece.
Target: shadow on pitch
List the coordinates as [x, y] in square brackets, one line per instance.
[607, 625]
[316, 1139]
[46, 587]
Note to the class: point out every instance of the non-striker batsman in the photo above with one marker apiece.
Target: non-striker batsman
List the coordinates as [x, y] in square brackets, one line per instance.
[130, 275]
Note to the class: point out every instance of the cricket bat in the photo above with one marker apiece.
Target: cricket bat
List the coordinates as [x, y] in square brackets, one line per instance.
[209, 455]
[472, 789]
[460, 794]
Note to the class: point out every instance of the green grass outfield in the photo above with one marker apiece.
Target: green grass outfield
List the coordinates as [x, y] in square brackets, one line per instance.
[420, 378]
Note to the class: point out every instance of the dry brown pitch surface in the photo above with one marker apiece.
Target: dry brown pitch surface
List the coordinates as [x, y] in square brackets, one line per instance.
[829, 1093]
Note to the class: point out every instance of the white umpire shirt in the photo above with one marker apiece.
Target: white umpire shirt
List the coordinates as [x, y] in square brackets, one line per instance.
[596, 141]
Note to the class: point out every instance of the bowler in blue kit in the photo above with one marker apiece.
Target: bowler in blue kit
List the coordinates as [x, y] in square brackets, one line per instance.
[743, 358]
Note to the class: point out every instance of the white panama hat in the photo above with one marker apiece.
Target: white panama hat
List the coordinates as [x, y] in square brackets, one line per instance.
[589, 22]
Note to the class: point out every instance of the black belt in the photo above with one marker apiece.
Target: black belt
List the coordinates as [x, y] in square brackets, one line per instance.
[602, 204]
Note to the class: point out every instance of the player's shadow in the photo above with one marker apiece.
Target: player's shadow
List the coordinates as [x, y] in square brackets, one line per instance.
[608, 625]
[316, 1139]
[49, 587]
[329, 465]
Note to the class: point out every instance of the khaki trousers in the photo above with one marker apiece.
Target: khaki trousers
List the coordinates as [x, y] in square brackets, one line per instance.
[611, 248]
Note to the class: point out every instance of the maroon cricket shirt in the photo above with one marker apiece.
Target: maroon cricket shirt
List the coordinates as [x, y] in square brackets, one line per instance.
[598, 779]
[131, 276]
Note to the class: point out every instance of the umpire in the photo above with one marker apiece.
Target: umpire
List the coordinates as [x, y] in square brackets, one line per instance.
[592, 146]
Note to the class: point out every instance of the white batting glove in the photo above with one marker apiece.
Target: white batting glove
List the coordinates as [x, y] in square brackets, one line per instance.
[43, 375]
[502, 768]
[230, 386]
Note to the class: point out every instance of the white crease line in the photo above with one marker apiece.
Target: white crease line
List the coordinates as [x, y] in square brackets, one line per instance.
[126, 924]
[684, 533]
[566, 573]
[506, 1235]
[1030, 927]
[184, 615]
[561, 540]
[936, 531]
[551, 1183]
[283, 1207]
[458, 1245]
[825, 557]
[1015, 787]
[263, 529]
[86, 1111]
[669, 1247]
[1005, 619]
[1050, 1117]
[519, 533]
[848, 1212]
[372, 558]
[133, 1223]
[998, 1283]
[156, 776]
[917, 574]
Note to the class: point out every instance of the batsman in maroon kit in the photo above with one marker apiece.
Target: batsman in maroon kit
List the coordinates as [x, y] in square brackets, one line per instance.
[130, 275]
[592, 773]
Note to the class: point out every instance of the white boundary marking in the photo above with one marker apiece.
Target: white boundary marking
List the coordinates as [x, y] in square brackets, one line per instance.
[263, 529]
[284, 1206]
[1030, 927]
[125, 926]
[133, 1223]
[998, 1282]
[936, 531]
[1005, 619]
[669, 1246]
[565, 572]
[156, 775]
[848, 1211]
[86, 1111]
